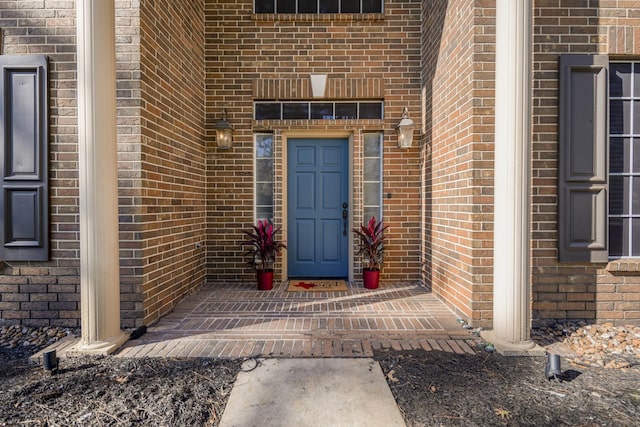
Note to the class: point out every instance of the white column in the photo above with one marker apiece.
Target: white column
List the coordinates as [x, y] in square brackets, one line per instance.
[99, 258]
[511, 287]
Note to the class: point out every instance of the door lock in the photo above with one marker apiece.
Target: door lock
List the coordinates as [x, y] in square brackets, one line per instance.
[345, 217]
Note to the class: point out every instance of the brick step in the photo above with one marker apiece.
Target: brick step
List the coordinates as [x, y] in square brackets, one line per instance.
[294, 347]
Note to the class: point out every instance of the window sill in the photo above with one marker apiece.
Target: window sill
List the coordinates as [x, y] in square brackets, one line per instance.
[322, 17]
[627, 265]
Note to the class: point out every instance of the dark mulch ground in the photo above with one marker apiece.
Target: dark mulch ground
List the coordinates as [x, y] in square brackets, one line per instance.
[96, 391]
[443, 389]
[431, 388]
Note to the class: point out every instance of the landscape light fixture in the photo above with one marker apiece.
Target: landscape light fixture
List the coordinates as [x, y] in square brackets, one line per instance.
[405, 130]
[224, 132]
[552, 368]
[50, 361]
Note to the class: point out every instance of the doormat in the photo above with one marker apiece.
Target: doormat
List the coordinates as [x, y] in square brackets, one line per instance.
[311, 285]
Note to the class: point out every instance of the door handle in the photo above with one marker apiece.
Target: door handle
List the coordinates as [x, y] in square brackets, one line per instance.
[345, 217]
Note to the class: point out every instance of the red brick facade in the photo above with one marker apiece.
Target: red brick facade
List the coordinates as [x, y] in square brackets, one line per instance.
[458, 85]
[183, 202]
[48, 293]
[369, 56]
[161, 160]
[562, 290]
[169, 205]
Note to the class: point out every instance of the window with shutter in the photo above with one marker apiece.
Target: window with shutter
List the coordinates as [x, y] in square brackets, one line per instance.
[24, 232]
[583, 159]
[624, 164]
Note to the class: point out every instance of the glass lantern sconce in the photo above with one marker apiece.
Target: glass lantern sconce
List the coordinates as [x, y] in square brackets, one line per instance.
[405, 130]
[224, 132]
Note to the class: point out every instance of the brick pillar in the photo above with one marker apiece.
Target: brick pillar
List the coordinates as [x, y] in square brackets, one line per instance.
[511, 287]
[99, 258]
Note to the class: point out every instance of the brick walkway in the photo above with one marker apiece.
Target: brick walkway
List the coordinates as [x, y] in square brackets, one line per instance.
[237, 321]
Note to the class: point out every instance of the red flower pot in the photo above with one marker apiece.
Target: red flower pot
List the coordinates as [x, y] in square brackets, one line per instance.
[265, 279]
[371, 278]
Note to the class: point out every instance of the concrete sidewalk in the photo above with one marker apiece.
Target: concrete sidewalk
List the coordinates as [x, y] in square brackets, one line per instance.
[311, 392]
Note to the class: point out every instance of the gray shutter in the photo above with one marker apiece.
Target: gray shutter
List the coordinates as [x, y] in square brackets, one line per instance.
[583, 158]
[24, 200]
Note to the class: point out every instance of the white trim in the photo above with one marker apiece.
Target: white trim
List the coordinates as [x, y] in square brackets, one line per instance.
[318, 85]
[351, 254]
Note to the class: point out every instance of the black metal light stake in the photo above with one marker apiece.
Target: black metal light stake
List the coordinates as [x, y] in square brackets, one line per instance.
[552, 368]
[50, 361]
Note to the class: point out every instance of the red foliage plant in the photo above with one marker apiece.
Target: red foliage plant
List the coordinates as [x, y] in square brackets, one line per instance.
[262, 244]
[372, 242]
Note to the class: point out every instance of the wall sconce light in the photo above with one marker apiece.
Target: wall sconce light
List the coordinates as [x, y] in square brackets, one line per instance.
[224, 132]
[405, 130]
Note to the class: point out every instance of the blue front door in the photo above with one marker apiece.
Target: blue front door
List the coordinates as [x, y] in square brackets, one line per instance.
[318, 233]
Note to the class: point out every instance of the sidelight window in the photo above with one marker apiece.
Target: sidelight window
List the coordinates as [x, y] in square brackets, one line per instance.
[264, 177]
[372, 175]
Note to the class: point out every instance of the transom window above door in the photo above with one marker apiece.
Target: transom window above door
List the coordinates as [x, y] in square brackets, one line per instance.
[318, 6]
[306, 110]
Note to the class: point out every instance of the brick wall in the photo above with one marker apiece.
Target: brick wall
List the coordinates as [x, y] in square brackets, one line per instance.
[48, 293]
[168, 230]
[161, 159]
[458, 77]
[242, 48]
[600, 292]
[129, 102]
[178, 67]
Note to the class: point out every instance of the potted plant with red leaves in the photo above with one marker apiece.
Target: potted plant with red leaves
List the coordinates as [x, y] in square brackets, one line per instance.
[262, 249]
[371, 237]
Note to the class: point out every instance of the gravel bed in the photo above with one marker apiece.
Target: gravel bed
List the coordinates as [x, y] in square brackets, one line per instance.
[13, 336]
[602, 345]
